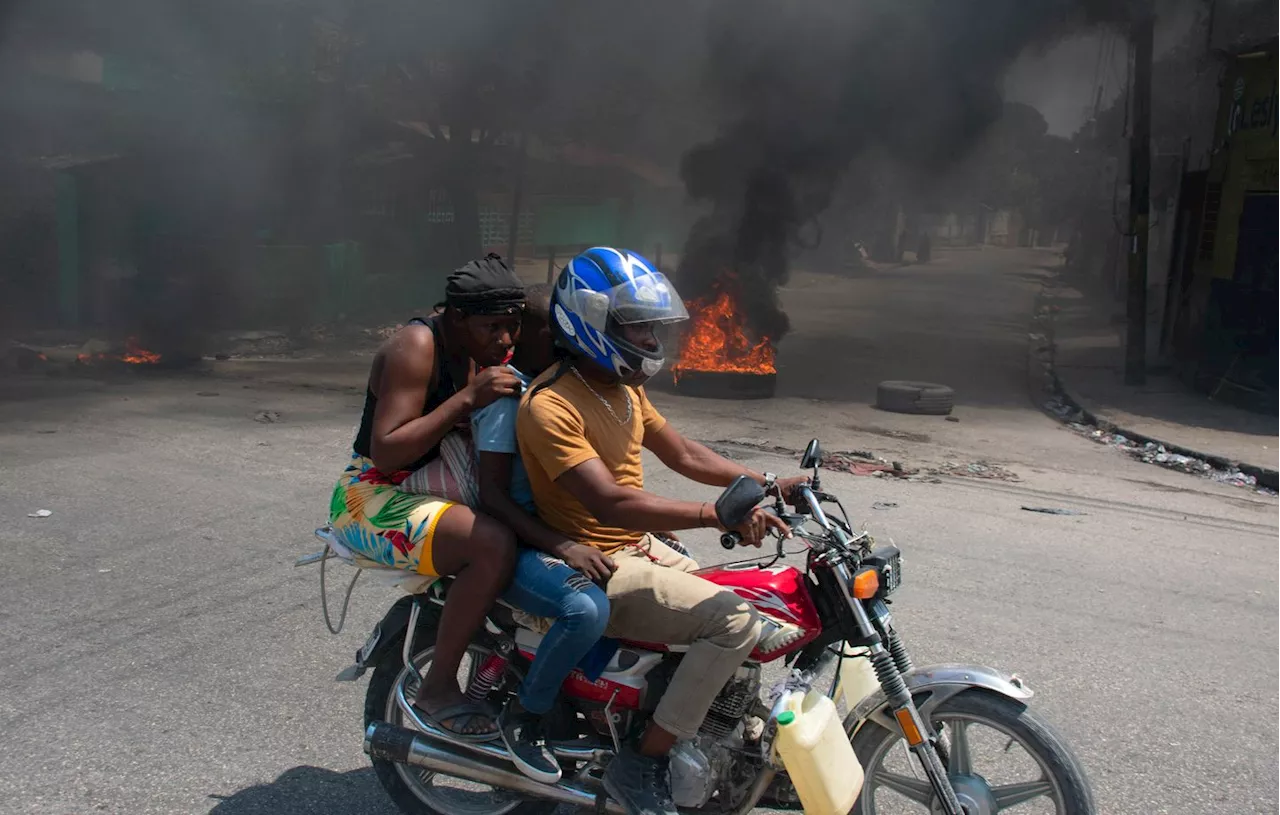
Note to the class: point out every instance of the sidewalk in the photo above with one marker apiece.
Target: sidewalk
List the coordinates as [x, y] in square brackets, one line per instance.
[1088, 361]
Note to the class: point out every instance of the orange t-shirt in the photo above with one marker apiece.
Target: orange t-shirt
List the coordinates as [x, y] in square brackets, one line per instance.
[564, 424]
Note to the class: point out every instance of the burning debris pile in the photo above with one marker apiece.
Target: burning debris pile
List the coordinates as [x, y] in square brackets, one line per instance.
[132, 354]
[92, 355]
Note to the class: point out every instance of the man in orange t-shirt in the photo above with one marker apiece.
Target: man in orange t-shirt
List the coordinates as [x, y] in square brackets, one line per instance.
[581, 428]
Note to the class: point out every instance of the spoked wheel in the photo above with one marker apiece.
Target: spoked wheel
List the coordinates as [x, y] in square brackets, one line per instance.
[999, 756]
[418, 791]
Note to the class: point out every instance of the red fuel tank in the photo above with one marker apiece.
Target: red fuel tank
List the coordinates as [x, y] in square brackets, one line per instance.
[781, 595]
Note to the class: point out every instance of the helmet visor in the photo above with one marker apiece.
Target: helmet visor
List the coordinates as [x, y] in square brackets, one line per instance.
[651, 299]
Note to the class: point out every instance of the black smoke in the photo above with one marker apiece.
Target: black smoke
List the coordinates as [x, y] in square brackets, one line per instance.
[804, 88]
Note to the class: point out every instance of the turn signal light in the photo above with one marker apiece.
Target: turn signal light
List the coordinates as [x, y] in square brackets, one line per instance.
[866, 583]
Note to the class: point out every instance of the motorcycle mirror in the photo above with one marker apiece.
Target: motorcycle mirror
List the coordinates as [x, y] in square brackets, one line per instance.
[812, 457]
[737, 500]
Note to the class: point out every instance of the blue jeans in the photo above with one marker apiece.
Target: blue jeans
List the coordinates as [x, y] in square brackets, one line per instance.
[547, 586]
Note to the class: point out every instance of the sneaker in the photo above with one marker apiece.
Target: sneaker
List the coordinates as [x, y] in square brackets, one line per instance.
[522, 734]
[640, 783]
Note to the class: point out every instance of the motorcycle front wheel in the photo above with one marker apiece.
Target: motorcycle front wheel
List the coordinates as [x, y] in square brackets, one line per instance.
[418, 791]
[999, 755]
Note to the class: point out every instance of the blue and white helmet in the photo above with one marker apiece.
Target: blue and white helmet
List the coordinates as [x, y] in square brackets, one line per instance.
[599, 291]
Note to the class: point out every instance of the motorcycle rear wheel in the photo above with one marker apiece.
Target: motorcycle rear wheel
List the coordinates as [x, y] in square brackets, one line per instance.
[1062, 787]
[412, 788]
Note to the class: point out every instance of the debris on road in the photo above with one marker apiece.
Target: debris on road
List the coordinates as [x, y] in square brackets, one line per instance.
[977, 469]
[267, 416]
[953, 418]
[854, 464]
[1064, 411]
[1149, 452]
[1053, 511]
[40, 513]
[884, 505]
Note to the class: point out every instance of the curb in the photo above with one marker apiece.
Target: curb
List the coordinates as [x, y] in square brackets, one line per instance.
[1266, 477]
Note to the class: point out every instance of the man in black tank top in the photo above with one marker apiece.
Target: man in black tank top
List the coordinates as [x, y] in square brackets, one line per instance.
[425, 381]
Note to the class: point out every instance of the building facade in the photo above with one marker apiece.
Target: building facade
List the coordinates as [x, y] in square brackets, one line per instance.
[1224, 296]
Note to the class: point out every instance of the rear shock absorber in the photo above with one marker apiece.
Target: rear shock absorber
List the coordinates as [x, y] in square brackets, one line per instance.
[490, 671]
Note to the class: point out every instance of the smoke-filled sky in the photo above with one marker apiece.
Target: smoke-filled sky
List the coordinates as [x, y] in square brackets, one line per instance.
[804, 88]
[761, 104]
[1061, 80]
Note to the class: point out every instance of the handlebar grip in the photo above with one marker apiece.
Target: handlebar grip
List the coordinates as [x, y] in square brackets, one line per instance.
[729, 540]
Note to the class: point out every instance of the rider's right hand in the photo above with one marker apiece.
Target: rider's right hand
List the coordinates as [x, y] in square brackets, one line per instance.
[758, 524]
[492, 384]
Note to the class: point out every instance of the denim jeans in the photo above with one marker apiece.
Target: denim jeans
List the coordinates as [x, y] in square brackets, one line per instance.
[548, 587]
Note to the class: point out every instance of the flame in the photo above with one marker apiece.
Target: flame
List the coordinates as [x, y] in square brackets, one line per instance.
[716, 341]
[134, 354]
[137, 355]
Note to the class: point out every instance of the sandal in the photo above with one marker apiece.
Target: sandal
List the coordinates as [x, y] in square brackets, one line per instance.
[468, 712]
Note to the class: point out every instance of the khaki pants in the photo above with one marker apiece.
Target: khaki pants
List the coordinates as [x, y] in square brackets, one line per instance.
[654, 598]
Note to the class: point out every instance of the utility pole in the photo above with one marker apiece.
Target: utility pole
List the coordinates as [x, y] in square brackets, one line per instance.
[1135, 357]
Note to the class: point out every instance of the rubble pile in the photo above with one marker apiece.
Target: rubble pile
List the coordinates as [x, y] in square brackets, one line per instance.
[1150, 452]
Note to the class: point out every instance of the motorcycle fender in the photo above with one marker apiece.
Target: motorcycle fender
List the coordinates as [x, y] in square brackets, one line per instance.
[932, 685]
[384, 635]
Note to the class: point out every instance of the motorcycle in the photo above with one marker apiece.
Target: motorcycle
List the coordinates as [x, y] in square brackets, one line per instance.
[833, 613]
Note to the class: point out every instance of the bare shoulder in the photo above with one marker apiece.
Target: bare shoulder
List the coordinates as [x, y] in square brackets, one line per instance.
[407, 357]
[411, 339]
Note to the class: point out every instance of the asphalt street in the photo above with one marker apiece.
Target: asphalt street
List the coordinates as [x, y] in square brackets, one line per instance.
[164, 656]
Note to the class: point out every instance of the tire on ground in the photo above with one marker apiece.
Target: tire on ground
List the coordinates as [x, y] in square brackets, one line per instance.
[920, 398]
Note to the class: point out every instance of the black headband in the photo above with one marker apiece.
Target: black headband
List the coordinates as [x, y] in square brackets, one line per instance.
[485, 287]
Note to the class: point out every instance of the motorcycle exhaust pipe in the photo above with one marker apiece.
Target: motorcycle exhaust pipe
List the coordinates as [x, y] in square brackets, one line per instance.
[388, 742]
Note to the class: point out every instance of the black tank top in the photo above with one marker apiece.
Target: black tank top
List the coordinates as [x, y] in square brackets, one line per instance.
[444, 389]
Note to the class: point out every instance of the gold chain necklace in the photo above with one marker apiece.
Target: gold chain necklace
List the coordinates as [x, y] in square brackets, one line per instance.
[605, 402]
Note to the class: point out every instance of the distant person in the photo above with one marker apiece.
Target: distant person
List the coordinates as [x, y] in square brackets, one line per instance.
[425, 381]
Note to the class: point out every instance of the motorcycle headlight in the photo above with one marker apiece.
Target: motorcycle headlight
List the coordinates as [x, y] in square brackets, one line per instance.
[887, 562]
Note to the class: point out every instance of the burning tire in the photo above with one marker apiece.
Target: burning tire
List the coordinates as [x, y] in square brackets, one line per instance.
[726, 385]
[920, 398]
[719, 358]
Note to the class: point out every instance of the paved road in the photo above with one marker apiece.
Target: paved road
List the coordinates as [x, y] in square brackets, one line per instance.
[163, 656]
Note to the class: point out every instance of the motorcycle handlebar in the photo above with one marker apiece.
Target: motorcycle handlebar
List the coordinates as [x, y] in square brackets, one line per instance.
[729, 540]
